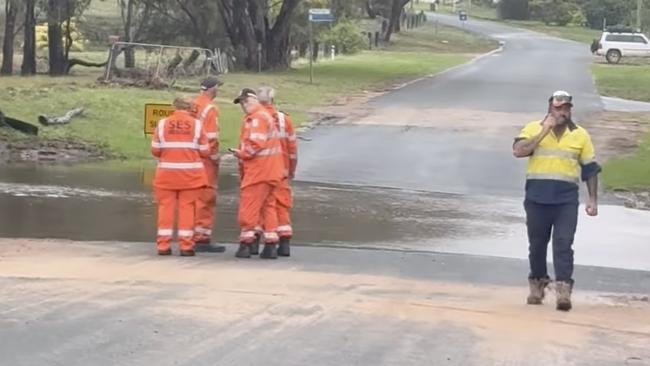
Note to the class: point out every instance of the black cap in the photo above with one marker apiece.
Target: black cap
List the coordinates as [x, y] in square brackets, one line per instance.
[245, 93]
[210, 82]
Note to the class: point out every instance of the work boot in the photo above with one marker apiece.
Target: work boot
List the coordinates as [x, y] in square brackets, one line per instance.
[255, 246]
[165, 252]
[188, 253]
[563, 293]
[206, 247]
[284, 249]
[244, 251]
[537, 287]
[270, 251]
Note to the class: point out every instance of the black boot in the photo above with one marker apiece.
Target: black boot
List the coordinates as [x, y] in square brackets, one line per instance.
[270, 251]
[165, 252]
[255, 246]
[284, 249]
[244, 251]
[187, 253]
[206, 247]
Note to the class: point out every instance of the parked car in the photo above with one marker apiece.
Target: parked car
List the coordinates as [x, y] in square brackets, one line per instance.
[615, 45]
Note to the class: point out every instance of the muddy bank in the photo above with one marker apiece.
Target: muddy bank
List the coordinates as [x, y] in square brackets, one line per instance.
[18, 148]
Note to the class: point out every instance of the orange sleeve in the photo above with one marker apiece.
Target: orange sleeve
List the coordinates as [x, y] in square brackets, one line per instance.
[211, 126]
[155, 143]
[204, 146]
[292, 146]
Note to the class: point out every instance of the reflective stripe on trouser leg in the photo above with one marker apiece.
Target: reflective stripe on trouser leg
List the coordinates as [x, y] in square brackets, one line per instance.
[166, 200]
[205, 207]
[186, 208]
[284, 202]
[269, 212]
[271, 237]
[285, 231]
[251, 203]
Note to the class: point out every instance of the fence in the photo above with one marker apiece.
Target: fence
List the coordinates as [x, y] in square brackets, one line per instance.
[154, 61]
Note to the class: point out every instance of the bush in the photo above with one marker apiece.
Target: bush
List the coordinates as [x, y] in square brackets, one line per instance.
[558, 12]
[513, 9]
[346, 36]
[615, 11]
[78, 41]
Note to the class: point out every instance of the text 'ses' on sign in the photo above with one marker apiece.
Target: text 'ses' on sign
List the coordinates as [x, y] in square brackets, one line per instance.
[153, 113]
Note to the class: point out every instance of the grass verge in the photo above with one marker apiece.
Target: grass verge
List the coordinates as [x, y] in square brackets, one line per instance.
[623, 81]
[114, 115]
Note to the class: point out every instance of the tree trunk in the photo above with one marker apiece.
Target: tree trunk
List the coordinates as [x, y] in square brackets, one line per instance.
[11, 11]
[29, 47]
[247, 25]
[55, 38]
[372, 14]
[395, 18]
[129, 53]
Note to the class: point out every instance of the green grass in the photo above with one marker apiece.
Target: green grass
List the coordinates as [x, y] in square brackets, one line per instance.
[114, 114]
[623, 81]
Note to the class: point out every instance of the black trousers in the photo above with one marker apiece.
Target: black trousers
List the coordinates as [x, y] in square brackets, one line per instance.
[560, 221]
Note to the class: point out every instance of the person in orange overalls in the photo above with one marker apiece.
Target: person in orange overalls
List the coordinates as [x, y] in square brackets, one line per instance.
[283, 194]
[179, 142]
[261, 170]
[208, 114]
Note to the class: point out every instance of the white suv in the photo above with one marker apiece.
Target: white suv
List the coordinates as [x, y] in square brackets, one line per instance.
[615, 45]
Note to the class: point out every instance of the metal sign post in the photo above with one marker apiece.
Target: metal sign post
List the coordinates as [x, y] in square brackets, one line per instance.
[316, 16]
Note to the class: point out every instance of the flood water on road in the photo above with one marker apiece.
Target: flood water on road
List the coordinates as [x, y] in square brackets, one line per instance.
[116, 204]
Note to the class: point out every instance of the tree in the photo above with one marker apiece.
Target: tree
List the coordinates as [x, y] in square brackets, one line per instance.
[59, 33]
[397, 7]
[135, 17]
[11, 11]
[29, 45]
[250, 23]
[513, 9]
[614, 11]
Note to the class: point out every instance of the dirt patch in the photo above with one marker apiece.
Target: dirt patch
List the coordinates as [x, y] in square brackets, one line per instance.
[266, 301]
[617, 134]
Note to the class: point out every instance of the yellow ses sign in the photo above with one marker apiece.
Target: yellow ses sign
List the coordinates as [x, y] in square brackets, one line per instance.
[153, 113]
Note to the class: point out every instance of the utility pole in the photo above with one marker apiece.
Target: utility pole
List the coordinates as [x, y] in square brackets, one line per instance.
[639, 11]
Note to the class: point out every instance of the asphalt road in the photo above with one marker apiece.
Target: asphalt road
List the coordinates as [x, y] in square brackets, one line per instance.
[419, 137]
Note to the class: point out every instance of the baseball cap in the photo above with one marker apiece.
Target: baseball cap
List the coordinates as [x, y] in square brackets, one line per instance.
[560, 98]
[210, 82]
[245, 93]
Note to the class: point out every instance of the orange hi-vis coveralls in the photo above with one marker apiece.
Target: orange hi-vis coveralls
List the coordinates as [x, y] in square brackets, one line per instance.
[261, 172]
[284, 194]
[179, 143]
[208, 114]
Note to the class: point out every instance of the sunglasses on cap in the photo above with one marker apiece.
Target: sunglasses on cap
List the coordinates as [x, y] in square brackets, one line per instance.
[561, 98]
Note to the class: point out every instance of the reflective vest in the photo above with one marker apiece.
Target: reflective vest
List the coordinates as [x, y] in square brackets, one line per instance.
[261, 151]
[179, 143]
[288, 140]
[559, 159]
[208, 114]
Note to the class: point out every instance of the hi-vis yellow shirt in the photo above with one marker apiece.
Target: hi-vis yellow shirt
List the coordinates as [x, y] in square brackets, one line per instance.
[556, 166]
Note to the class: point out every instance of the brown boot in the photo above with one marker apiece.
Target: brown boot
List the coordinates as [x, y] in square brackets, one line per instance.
[563, 293]
[537, 287]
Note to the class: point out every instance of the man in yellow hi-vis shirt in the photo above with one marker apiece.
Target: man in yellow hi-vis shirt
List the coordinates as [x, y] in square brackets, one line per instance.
[560, 155]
